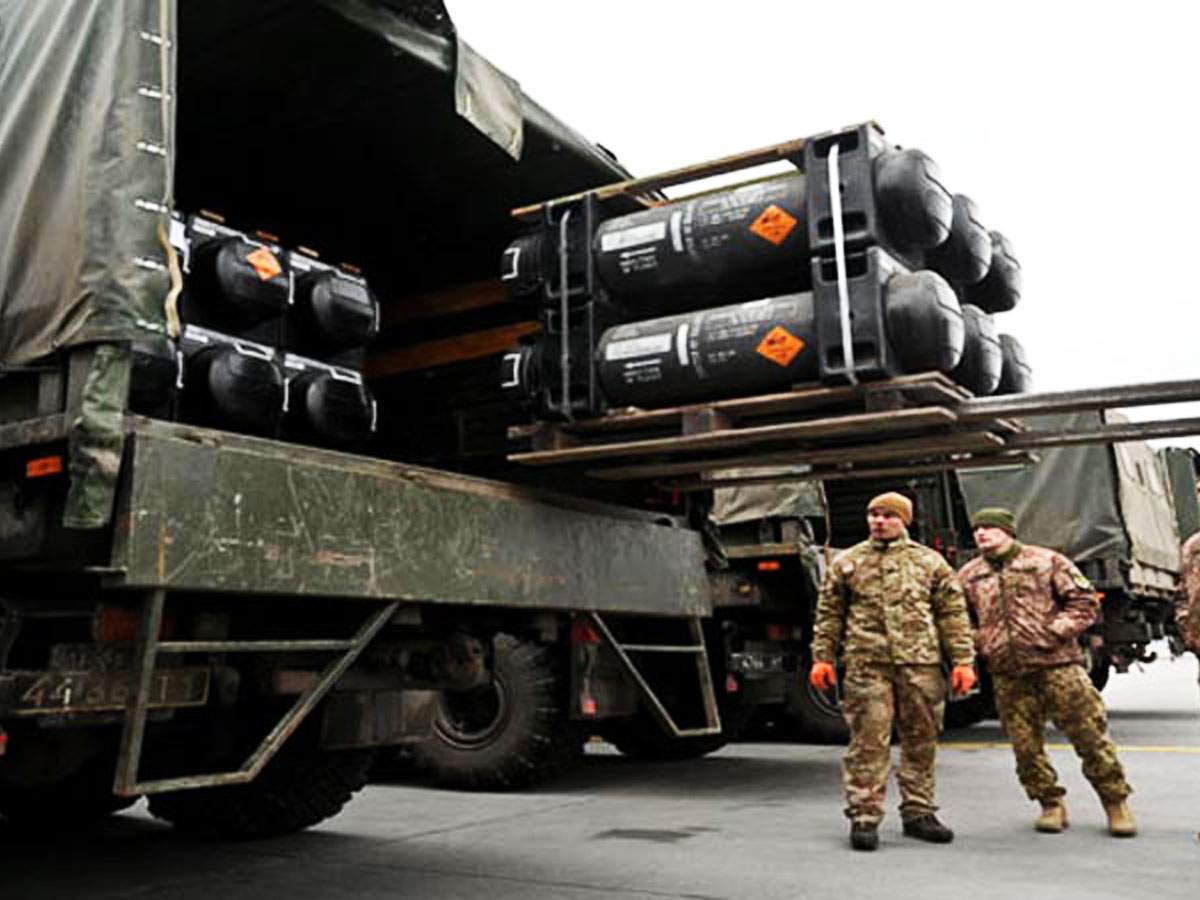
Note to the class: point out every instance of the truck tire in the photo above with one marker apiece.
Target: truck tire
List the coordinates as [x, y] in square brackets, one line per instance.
[817, 715]
[292, 793]
[510, 734]
[82, 798]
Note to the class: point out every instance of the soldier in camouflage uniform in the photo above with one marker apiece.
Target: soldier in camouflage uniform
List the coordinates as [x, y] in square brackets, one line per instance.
[1032, 604]
[1187, 609]
[892, 605]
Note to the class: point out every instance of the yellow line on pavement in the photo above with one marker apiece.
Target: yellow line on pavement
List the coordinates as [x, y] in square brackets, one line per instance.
[1127, 748]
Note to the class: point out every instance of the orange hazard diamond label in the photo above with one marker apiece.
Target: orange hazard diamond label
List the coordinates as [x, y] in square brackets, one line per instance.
[264, 263]
[780, 346]
[774, 224]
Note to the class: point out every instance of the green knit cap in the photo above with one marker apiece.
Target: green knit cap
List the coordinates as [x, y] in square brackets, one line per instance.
[995, 517]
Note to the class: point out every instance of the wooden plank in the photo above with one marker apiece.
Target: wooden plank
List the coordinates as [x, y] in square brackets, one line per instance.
[832, 474]
[458, 299]
[787, 151]
[448, 350]
[834, 426]
[926, 385]
[875, 451]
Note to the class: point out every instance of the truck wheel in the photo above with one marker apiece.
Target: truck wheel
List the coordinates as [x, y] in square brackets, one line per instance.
[290, 794]
[510, 734]
[817, 714]
[82, 798]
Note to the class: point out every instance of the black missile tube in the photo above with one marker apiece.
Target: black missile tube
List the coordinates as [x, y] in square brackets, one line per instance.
[329, 409]
[231, 285]
[154, 376]
[965, 256]
[332, 310]
[981, 365]
[743, 349]
[744, 242]
[925, 327]
[1016, 376]
[749, 241]
[915, 209]
[1000, 290]
[749, 348]
[232, 386]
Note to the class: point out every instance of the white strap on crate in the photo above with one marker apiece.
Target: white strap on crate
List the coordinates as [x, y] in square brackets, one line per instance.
[839, 252]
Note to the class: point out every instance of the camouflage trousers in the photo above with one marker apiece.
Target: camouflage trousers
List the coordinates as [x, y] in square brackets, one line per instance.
[1064, 695]
[875, 695]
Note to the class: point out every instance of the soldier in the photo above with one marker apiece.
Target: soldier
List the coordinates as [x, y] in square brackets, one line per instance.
[1187, 609]
[893, 604]
[1032, 605]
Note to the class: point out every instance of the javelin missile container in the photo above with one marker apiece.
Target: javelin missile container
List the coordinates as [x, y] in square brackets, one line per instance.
[634, 307]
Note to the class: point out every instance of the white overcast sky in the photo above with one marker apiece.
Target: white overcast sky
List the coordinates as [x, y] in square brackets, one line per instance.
[1074, 126]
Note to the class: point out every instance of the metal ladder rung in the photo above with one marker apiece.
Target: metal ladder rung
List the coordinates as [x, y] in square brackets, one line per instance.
[662, 648]
[281, 646]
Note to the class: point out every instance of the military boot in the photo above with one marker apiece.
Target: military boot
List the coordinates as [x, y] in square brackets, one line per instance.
[864, 835]
[1053, 818]
[928, 828]
[1120, 819]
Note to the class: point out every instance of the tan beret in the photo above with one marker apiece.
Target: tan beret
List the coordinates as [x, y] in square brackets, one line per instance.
[893, 502]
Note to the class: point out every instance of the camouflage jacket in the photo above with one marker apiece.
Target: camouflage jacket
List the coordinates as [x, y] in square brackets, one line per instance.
[1187, 610]
[892, 602]
[1031, 609]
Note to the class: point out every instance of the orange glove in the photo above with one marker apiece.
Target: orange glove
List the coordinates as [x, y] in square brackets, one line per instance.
[962, 679]
[821, 676]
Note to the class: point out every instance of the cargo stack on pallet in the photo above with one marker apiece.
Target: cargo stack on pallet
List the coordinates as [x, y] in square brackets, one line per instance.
[272, 342]
[859, 269]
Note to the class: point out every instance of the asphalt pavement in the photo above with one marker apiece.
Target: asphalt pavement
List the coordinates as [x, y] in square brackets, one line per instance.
[756, 820]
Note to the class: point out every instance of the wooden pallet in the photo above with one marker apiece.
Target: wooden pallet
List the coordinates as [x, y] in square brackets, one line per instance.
[909, 420]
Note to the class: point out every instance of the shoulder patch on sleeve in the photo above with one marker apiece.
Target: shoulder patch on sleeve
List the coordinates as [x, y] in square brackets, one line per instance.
[1081, 582]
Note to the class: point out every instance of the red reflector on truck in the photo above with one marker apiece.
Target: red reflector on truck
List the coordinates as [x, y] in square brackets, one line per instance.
[777, 632]
[3, 742]
[583, 633]
[769, 565]
[46, 465]
[116, 623]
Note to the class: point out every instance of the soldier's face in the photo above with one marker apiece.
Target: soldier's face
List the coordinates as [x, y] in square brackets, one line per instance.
[884, 524]
[992, 540]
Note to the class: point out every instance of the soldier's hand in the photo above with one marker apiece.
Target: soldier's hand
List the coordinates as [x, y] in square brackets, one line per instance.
[821, 676]
[962, 679]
